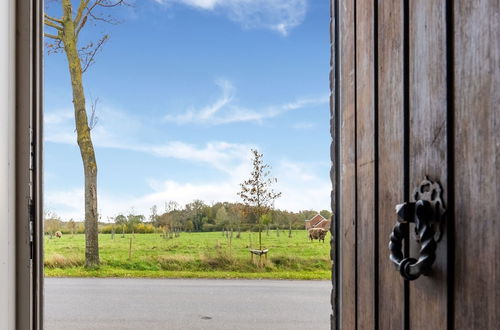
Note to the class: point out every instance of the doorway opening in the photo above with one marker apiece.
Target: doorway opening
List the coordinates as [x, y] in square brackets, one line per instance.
[185, 139]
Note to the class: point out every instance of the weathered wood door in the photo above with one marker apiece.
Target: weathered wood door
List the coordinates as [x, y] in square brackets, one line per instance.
[416, 94]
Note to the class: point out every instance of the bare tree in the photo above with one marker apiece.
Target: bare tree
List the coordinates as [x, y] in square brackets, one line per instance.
[256, 192]
[64, 37]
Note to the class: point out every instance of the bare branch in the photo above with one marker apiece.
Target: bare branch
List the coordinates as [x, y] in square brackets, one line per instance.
[52, 36]
[88, 11]
[79, 27]
[106, 19]
[109, 4]
[81, 8]
[93, 117]
[54, 47]
[88, 52]
[52, 24]
[55, 20]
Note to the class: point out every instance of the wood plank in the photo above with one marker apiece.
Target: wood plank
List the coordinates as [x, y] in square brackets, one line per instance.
[428, 146]
[365, 165]
[391, 156]
[477, 164]
[347, 165]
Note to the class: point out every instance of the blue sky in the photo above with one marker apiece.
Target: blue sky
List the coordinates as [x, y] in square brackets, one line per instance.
[185, 88]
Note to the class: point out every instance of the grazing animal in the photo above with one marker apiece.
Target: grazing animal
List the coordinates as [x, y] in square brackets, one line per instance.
[317, 233]
[58, 234]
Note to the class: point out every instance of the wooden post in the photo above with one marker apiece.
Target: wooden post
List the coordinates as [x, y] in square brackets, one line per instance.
[130, 249]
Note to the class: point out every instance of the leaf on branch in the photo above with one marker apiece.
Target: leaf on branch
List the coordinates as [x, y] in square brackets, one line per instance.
[256, 192]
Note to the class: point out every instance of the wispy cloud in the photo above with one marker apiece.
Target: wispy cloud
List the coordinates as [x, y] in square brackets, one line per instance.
[278, 15]
[225, 111]
[206, 113]
[301, 183]
[304, 184]
[120, 130]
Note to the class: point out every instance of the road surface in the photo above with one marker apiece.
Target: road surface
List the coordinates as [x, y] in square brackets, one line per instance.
[91, 303]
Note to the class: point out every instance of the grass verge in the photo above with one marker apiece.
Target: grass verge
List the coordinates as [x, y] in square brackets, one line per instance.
[192, 255]
[106, 271]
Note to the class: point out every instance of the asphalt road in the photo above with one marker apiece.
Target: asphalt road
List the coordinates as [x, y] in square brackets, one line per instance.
[90, 303]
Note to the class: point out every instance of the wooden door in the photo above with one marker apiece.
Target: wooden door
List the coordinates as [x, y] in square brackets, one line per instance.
[415, 95]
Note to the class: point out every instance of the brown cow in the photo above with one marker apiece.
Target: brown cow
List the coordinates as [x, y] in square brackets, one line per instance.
[317, 233]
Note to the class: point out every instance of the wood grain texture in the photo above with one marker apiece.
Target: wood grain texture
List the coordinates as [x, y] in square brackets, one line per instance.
[391, 156]
[347, 167]
[365, 165]
[477, 164]
[428, 146]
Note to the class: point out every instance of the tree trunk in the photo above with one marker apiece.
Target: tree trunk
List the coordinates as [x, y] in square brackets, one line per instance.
[260, 236]
[83, 138]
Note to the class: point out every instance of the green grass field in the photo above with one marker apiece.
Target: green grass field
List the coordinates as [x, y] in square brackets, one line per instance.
[192, 255]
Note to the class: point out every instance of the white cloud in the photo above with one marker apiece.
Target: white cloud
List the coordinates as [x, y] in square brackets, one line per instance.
[223, 156]
[119, 130]
[209, 111]
[278, 15]
[225, 111]
[304, 185]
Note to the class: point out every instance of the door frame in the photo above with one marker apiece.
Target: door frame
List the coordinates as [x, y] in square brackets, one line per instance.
[26, 21]
[334, 157]
[28, 164]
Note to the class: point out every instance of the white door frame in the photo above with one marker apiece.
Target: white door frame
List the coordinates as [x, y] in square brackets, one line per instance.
[21, 235]
[7, 166]
[21, 205]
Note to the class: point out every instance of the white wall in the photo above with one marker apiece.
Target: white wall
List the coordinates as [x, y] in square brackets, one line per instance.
[7, 166]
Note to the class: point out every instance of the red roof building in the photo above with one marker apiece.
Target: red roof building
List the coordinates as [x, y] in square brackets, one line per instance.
[318, 221]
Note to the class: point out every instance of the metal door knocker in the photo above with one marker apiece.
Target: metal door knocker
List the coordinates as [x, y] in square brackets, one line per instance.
[426, 212]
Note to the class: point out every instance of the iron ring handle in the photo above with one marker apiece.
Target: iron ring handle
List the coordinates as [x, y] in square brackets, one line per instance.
[422, 214]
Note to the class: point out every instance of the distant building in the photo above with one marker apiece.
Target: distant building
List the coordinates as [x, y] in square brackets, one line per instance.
[318, 221]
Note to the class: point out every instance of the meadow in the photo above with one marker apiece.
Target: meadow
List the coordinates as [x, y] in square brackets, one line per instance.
[191, 255]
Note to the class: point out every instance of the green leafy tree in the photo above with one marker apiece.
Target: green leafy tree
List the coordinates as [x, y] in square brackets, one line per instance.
[196, 211]
[256, 192]
[72, 226]
[326, 214]
[222, 217]
[121, 221]
[153, 217]
[307, 214]
[52, 223]
[189, 225]
[236, 215]
[133, 220]
[266, 220]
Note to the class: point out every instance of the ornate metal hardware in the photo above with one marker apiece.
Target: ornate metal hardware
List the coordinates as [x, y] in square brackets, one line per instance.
[426, 212]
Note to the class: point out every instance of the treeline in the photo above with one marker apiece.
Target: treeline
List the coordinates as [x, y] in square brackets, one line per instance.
[193, 217]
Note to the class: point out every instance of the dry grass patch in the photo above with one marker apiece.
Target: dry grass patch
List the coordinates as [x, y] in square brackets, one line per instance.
[59, 261]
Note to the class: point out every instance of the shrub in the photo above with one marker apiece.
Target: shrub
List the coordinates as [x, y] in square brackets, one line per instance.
[177, 262]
